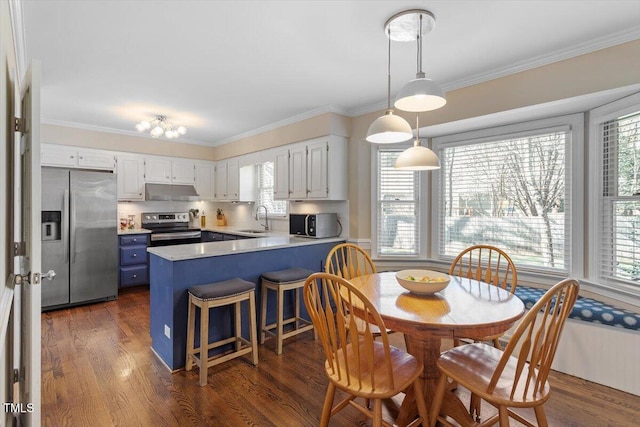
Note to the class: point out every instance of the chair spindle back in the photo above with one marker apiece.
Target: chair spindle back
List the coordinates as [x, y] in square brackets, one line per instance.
[348, 261]
[488, 264]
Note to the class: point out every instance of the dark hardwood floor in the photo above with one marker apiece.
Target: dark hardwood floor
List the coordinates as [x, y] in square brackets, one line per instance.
[98, 370]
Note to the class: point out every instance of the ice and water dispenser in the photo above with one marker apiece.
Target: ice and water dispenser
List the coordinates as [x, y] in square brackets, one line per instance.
[51, 225]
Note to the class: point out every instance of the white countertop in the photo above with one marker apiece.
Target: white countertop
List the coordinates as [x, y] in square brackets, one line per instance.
[134, 231]
[229, 247]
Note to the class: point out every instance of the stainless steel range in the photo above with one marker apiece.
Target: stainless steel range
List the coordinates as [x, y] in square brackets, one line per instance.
[170, 228]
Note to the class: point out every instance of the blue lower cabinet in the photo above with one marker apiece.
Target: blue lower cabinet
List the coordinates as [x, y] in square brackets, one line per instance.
[133, 260]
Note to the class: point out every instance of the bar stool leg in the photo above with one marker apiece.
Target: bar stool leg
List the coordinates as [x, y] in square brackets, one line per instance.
[279, 320]
[204, 343]
[191, 320]
[263, 312]
[252, 327]
[238, 322]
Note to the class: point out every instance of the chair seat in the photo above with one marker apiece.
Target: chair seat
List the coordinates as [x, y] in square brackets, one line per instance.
[474, 364]
[223, 289]
[294, 274]
[406, 369]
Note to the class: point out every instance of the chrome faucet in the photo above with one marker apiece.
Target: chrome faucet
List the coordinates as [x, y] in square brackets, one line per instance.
[266, 217]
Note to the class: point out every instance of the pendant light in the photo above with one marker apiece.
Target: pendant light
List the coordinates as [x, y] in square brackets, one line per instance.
[389, 128]
[417, 158]
[420, 94]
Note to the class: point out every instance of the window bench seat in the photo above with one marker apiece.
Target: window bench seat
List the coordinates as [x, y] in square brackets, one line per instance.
[587, 309]
[600, 342]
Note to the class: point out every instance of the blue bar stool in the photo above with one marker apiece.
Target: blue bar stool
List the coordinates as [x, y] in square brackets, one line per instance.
[280, 282]
[219, 294]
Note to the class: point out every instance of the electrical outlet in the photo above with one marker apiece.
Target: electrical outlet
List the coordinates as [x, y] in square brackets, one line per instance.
[167, 331]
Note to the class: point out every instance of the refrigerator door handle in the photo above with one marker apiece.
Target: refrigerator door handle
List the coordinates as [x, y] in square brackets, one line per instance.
[73, 227]
[65, 224]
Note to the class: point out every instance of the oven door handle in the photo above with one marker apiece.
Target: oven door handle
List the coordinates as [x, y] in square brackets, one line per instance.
[172, 236]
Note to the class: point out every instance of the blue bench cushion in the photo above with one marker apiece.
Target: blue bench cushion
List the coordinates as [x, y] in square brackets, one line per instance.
[223, 289]
[289, 275]
[587, 309]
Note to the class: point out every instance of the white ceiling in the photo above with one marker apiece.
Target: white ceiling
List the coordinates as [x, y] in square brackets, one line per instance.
[226, 69]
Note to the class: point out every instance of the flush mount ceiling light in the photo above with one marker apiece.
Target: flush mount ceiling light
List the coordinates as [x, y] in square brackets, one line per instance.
[417, 158]
[161, 126]
[389, 129]
[420, 94]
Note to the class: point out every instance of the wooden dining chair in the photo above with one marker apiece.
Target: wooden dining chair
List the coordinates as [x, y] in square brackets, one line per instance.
[356, 363]
[487, 264]
[516, 377]
[348, 261]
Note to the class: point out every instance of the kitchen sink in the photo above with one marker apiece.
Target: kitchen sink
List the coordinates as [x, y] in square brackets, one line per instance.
[253, 231]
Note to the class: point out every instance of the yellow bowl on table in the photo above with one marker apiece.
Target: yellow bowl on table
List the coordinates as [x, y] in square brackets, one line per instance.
[422, 282]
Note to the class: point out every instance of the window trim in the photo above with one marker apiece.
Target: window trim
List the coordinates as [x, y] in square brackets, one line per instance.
[597, 117]
[423, 212]
[575, 156]
[272, 215]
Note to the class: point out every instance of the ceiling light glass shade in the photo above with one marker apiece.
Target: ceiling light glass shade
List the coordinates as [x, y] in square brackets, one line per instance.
[420, 94]
[417, 158]
[156, 132]
[389, 129]
[182, 130]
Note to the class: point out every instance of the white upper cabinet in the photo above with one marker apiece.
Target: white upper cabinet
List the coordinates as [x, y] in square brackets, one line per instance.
[183, 172]
[162, 170]
[74, 157]
[130, 178]
[157, 170]
[205, 180]
[281, 176]
[314, 170]
[233, 183]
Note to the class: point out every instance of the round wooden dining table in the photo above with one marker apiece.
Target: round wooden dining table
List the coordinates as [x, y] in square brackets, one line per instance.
[466, 308]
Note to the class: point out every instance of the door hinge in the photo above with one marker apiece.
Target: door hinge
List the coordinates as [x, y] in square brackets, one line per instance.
[18, 124]
[29, 278]
[19, 249]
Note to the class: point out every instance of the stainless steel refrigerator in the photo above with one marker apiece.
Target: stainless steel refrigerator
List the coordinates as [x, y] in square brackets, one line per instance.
[79, 236]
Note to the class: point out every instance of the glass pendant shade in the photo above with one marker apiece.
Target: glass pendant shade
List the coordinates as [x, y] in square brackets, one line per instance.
[417, 158]
[420, 94]
[389, 129]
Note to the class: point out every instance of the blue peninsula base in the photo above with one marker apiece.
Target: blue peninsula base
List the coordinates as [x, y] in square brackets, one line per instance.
[171, 279]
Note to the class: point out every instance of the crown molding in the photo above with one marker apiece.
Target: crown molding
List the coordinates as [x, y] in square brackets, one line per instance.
[19, 44]
[610, 40]
[117, 131]
[294, 119]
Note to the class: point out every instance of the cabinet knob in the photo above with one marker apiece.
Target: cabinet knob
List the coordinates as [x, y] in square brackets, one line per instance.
[135, 255]
[135, 275]
[135, 240]
[71, 157]
[80, 157]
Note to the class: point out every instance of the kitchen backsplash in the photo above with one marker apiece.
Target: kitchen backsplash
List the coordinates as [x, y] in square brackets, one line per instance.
[236, 214]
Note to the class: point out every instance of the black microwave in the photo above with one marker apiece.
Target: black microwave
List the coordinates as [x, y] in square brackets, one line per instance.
[318, 226]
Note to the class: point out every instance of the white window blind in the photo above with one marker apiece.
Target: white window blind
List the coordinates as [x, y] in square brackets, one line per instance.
[397, 206]
[511, 193]
[265, 177]
[620, 200]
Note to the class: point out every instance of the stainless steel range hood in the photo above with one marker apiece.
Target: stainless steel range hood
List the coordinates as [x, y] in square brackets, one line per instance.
[181, 193]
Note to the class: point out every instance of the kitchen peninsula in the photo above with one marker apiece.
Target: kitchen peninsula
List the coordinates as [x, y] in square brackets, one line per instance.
[173, 269]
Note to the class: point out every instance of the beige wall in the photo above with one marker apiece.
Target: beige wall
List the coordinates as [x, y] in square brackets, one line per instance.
[314, 127]
[54, 134]
[605, 69]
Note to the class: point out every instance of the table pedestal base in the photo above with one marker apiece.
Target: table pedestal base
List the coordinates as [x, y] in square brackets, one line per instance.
[427, 350]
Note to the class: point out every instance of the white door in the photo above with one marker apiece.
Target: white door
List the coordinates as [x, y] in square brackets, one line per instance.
[233, 180]
[130, 178]
[183, 172]
[157, 170]
[26, 200]
[221, 181]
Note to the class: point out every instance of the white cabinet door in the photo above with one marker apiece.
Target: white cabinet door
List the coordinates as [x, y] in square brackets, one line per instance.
[233, 180]
[183, 172]
[221, 181]
[57, 155]
[157, 170]
[317, 170]
[96, 160]
[130, 178]
[205, 180]
[298, 173]
[281, 176]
